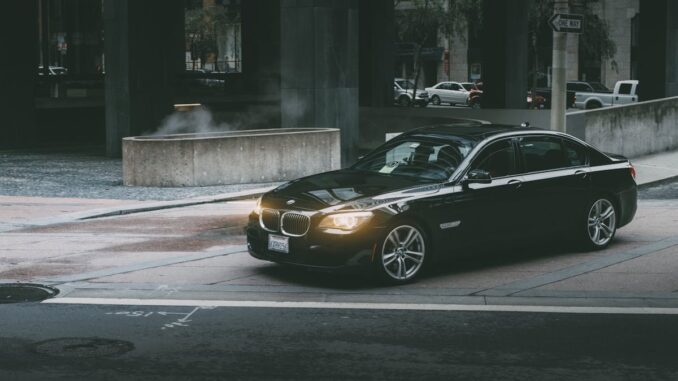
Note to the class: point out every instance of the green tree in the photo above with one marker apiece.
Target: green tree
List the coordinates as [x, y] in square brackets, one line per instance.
[422, 21]
[594, 41]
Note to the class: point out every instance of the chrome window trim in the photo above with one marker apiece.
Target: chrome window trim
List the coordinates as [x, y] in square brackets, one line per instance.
[261, 221]
[464, 165]
[282, 229]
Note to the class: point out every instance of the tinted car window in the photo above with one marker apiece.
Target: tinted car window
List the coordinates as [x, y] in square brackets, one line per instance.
[625, 88]
[542, 153]
[498, 159]
[454, 86]
[431, 159]
[575, 154]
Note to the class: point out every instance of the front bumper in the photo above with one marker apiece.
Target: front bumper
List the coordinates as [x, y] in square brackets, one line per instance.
[316, 249]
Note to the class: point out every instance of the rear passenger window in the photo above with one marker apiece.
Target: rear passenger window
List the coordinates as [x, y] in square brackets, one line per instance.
[542, 153]
[575, 154]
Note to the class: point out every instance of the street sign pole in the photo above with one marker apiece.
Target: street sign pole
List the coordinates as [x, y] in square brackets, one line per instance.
[558, 70]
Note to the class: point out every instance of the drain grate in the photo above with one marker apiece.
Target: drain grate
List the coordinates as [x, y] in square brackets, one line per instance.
[25, 292]
[82, 347]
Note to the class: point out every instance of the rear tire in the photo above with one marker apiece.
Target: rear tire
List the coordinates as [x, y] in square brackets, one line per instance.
[599, 225]
[593, 105]
[402, 253]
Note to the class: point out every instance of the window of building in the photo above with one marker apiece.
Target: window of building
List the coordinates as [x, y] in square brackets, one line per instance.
[213, 37]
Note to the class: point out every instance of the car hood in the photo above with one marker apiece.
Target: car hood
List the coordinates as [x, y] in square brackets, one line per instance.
[346, 187]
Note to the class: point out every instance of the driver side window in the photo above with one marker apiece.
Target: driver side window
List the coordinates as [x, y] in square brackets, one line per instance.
[497, 158]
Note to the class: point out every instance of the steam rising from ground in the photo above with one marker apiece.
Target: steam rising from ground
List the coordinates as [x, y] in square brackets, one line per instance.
[199, 120]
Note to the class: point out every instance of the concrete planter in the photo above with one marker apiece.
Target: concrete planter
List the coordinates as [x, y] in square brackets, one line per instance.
[250, 156]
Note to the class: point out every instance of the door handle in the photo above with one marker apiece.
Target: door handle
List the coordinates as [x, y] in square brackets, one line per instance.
[515, 183]
[581, 174]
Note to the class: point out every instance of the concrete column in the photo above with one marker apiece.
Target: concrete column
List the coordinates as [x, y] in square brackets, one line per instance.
[618, 15]
[143, 55]
[505, 41]
[19, 41]
[572, 49]
[319, 67]
[260, 50]
[671, 49]
[653, 56]
[459, 58]
[376, 53]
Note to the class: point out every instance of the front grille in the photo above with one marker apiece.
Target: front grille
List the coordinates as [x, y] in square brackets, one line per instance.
[295, 224]
[270, 220]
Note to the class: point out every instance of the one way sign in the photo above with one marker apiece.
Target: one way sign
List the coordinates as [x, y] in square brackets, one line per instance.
[566, 23]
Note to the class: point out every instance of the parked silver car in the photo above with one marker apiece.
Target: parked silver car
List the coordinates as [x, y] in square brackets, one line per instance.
[448, 92]
[404, 95]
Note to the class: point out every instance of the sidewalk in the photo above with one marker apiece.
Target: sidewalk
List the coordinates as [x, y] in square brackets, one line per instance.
[656, 168]
[151, 248]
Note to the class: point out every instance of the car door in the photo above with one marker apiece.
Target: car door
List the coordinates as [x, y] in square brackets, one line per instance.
[625, 94]
[556, 181]
[485, 212]
[444, 92]
[457, 94]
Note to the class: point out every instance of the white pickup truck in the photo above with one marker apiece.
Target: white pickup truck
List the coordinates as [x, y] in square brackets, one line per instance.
[625, 92]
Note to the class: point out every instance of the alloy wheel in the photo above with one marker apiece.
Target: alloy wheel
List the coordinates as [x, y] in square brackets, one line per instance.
[602, 222]
[435, 100]
[403, 252]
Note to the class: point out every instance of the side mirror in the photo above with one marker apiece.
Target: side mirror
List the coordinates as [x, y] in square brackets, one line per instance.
[477, 176]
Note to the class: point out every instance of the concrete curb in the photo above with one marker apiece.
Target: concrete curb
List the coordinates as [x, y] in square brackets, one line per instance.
[148, 207]
[649, 184]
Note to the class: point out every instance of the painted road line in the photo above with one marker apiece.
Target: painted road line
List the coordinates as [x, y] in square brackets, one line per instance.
[141, 266]
[366, 306]
[579, 269]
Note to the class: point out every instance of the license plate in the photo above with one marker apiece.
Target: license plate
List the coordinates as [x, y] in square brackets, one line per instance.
[278, 243]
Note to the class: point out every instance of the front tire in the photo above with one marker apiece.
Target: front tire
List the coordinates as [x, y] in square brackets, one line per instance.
[404, 101]
[402, 253]
[600, 224]
[435, 100]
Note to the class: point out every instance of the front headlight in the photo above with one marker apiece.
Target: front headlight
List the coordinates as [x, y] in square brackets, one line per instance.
[344, 222]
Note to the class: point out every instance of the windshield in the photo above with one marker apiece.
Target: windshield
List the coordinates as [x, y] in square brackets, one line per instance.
[421, 157]
[597, 86]
[406, 84]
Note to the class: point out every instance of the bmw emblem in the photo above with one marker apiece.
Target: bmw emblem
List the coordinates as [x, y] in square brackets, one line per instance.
[290, 202]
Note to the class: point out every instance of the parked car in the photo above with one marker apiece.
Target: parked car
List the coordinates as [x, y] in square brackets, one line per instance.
[452, 93]
[545, 93]
[625, 92]
[53, 70]
[403, 94]
[433, 193]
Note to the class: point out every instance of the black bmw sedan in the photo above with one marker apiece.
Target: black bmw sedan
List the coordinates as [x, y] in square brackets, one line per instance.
[436, 191]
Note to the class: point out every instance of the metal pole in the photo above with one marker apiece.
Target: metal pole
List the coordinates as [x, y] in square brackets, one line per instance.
[558, 70]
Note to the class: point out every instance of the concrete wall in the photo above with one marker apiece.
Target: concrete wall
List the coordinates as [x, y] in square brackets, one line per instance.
[255, 156]
[633, 130]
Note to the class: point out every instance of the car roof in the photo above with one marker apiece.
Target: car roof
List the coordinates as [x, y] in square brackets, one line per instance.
[468, 130]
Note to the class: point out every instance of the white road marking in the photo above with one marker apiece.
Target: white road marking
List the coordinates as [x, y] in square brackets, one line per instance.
[367, 306]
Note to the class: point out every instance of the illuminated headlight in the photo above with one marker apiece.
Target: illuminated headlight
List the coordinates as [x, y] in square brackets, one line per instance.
[342, 223]
[257, 208]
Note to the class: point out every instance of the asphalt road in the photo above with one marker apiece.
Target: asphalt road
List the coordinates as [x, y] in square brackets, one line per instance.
[152, 343]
